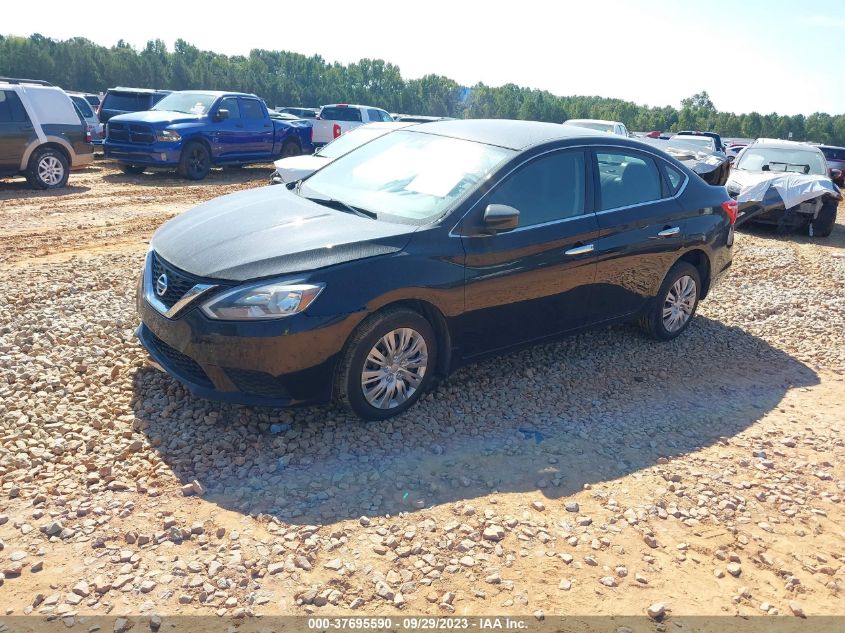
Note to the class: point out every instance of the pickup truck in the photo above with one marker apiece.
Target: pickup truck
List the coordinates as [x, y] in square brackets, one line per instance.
[193, 130]
[337, 118]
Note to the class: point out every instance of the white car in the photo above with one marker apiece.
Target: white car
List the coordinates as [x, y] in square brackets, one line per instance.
[87, 111]
[611, 127]
[299, 167]
[338, 118]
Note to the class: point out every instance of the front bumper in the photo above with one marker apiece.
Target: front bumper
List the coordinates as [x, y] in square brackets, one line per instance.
[148, 155]
[277, 363]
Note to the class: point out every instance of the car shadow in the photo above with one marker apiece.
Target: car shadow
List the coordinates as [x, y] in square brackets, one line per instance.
[13, 188]
[769, 231]
[217, 176]
[587, 409]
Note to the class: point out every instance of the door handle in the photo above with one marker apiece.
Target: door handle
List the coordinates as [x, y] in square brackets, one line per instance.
[580, 250]
[669, 232]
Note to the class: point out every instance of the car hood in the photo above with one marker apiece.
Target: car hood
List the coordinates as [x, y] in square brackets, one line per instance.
[298, 167]
[155, 116]
[271, 231]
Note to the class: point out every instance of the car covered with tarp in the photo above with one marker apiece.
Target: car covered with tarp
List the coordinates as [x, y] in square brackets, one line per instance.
[713, 167]
[787, 184]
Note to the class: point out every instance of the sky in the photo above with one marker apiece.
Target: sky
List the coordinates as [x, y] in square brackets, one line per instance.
[768, 56]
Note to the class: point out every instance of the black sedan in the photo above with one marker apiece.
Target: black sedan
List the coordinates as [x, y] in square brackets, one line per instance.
[423, 250]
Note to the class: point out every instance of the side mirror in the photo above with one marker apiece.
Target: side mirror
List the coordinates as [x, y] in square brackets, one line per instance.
[222, 115]
[836, 174]
[731, 158]
[500, 217]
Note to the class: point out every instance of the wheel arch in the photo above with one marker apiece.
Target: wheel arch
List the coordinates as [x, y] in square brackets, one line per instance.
[701, 261]
[52, 143]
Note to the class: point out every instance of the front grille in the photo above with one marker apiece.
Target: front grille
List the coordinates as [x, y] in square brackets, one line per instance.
[182, 365]
[131, 133]
[256, 383]
[178, 282]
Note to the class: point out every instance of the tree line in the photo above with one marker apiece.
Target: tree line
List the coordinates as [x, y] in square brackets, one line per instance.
[286, 78]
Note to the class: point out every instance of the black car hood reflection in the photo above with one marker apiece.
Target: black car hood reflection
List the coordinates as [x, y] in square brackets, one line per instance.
[271, 231]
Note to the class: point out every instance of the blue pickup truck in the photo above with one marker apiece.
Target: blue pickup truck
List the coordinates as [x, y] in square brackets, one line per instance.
[194, 130]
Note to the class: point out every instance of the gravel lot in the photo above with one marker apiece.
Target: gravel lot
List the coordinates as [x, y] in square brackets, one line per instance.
[604, 474]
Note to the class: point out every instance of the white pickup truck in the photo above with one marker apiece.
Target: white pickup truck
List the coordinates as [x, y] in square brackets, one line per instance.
[337, 118]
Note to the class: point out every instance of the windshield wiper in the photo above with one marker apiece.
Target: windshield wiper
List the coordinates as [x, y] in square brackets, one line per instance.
[342, 206]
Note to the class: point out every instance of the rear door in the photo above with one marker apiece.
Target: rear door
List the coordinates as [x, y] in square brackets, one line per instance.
[257, 129]
[642, 229]
[16, 131]
[534, 280]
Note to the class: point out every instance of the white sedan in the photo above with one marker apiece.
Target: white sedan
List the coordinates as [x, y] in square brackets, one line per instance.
[298, 167]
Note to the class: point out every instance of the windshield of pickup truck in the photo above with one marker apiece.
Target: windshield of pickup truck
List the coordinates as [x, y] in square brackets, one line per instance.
[780, 159]
[187, 102]
[405, 176]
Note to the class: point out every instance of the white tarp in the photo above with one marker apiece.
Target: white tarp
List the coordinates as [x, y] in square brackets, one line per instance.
[793, 188]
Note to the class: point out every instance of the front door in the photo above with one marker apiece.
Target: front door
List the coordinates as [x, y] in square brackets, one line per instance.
[258, 129]
[229, 134]
[534, 280]
[16, 132]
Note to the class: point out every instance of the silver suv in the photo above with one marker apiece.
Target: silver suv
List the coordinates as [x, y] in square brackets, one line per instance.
[42, 136]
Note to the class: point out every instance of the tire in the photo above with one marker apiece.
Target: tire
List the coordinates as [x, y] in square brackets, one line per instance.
[48, 169]
[195, 162]
[384, 397]
[822, 226]
[666, 327]
[132, 169]
[291, 148]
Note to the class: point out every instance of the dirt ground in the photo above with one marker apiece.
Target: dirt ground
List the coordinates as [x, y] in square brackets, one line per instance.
[605, 475]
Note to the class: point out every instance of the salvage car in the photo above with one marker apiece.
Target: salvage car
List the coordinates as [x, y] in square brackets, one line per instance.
[711, 166]
[296, 168]
[423, 250]
[787, 184]
[835, 157]
[698, 137]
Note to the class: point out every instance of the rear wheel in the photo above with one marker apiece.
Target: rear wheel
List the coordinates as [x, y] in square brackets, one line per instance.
[195, 162]
[822, 226]
[132, 169]
[48, 169]
[387, 365]
[672, 310]
[290, 148]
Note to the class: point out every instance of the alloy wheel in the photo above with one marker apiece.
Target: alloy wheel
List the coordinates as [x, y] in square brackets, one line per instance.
[50, 170]
[679, 303]
[394, 368]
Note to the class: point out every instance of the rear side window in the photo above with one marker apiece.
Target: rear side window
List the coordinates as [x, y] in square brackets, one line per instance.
[675, 178]
[340, 114]
[83, 106]
[627, 179]
[126, 101]
[546, 189]
[11, 108]
[251, 109]
[231, 104]
[832, 153]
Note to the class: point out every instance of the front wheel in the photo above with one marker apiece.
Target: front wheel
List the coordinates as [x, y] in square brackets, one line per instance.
[822, 225]
[195, 162]
[672, 310]
[387, 364]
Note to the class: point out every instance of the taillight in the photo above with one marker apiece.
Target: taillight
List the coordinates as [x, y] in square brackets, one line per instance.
[88, 136]
[732, 209]
[336, 130]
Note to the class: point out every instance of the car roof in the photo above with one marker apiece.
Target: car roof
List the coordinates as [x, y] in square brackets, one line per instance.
[576, 121]
[350, 105]
[509, 133]
[829, 146]
[782, 144]
[143, 90]
[388, 125]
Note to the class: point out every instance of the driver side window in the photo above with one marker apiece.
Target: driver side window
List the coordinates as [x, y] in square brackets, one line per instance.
[545, 189]
[231, 104]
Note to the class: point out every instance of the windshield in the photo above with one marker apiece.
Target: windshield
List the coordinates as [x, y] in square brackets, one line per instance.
[406, 176]
[799, 161]
[350, 140]
[704, 142]
[187, 102]
[593, 125]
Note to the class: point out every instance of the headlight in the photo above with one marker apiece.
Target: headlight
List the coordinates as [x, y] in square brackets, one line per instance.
[264, 301]
[167, 135]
